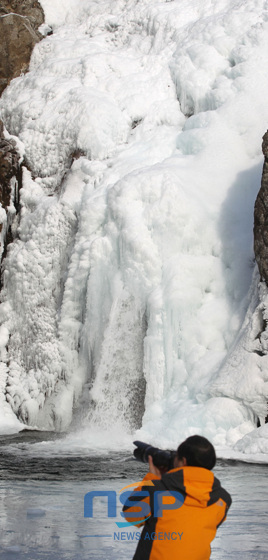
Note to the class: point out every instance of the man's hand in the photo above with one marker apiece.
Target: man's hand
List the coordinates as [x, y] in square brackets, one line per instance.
[152, 468]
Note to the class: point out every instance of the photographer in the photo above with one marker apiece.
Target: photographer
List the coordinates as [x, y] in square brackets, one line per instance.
[180, 508]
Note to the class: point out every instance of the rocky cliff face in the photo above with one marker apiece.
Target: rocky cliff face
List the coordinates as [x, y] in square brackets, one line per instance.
[261, 218]
[19, 22]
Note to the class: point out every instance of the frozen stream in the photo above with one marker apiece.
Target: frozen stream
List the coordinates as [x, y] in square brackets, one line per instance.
[42, 507]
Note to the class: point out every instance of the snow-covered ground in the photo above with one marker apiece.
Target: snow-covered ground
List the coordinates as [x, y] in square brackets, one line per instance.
[131, 292]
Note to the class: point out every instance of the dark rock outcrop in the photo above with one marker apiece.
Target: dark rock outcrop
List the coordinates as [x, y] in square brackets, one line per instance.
[9, 167]
[19, 22]
[10, 173]
[261, 218]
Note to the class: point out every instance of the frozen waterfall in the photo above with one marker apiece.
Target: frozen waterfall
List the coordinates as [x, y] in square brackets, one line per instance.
[131, 299]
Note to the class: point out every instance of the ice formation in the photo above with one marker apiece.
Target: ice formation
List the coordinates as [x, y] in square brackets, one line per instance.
[131, 293]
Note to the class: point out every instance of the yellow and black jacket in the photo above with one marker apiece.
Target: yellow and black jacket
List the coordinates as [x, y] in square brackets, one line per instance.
[184, 533]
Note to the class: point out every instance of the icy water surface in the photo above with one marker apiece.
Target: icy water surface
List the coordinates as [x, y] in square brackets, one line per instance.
[42, 501]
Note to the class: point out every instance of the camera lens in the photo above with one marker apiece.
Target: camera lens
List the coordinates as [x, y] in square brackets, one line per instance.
[161, 458]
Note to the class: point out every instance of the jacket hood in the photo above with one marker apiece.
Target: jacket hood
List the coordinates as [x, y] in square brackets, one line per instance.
[198, 486]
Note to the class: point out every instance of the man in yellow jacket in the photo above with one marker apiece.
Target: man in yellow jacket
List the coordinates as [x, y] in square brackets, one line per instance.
[184, 506]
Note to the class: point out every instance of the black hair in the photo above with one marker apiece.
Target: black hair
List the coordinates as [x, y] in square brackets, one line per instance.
[198, 452]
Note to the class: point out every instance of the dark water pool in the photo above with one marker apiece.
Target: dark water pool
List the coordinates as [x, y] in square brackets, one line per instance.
[42, 499]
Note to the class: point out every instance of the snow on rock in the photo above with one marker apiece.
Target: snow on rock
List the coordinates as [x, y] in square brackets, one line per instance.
[244, 372]
[9, 423]
[133, 271]
[34, 277]
[255, 442]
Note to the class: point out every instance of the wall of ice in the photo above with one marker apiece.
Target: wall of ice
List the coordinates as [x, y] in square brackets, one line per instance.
[130, 292]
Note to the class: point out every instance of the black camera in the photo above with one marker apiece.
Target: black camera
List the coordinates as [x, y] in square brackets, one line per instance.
[161, 459]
